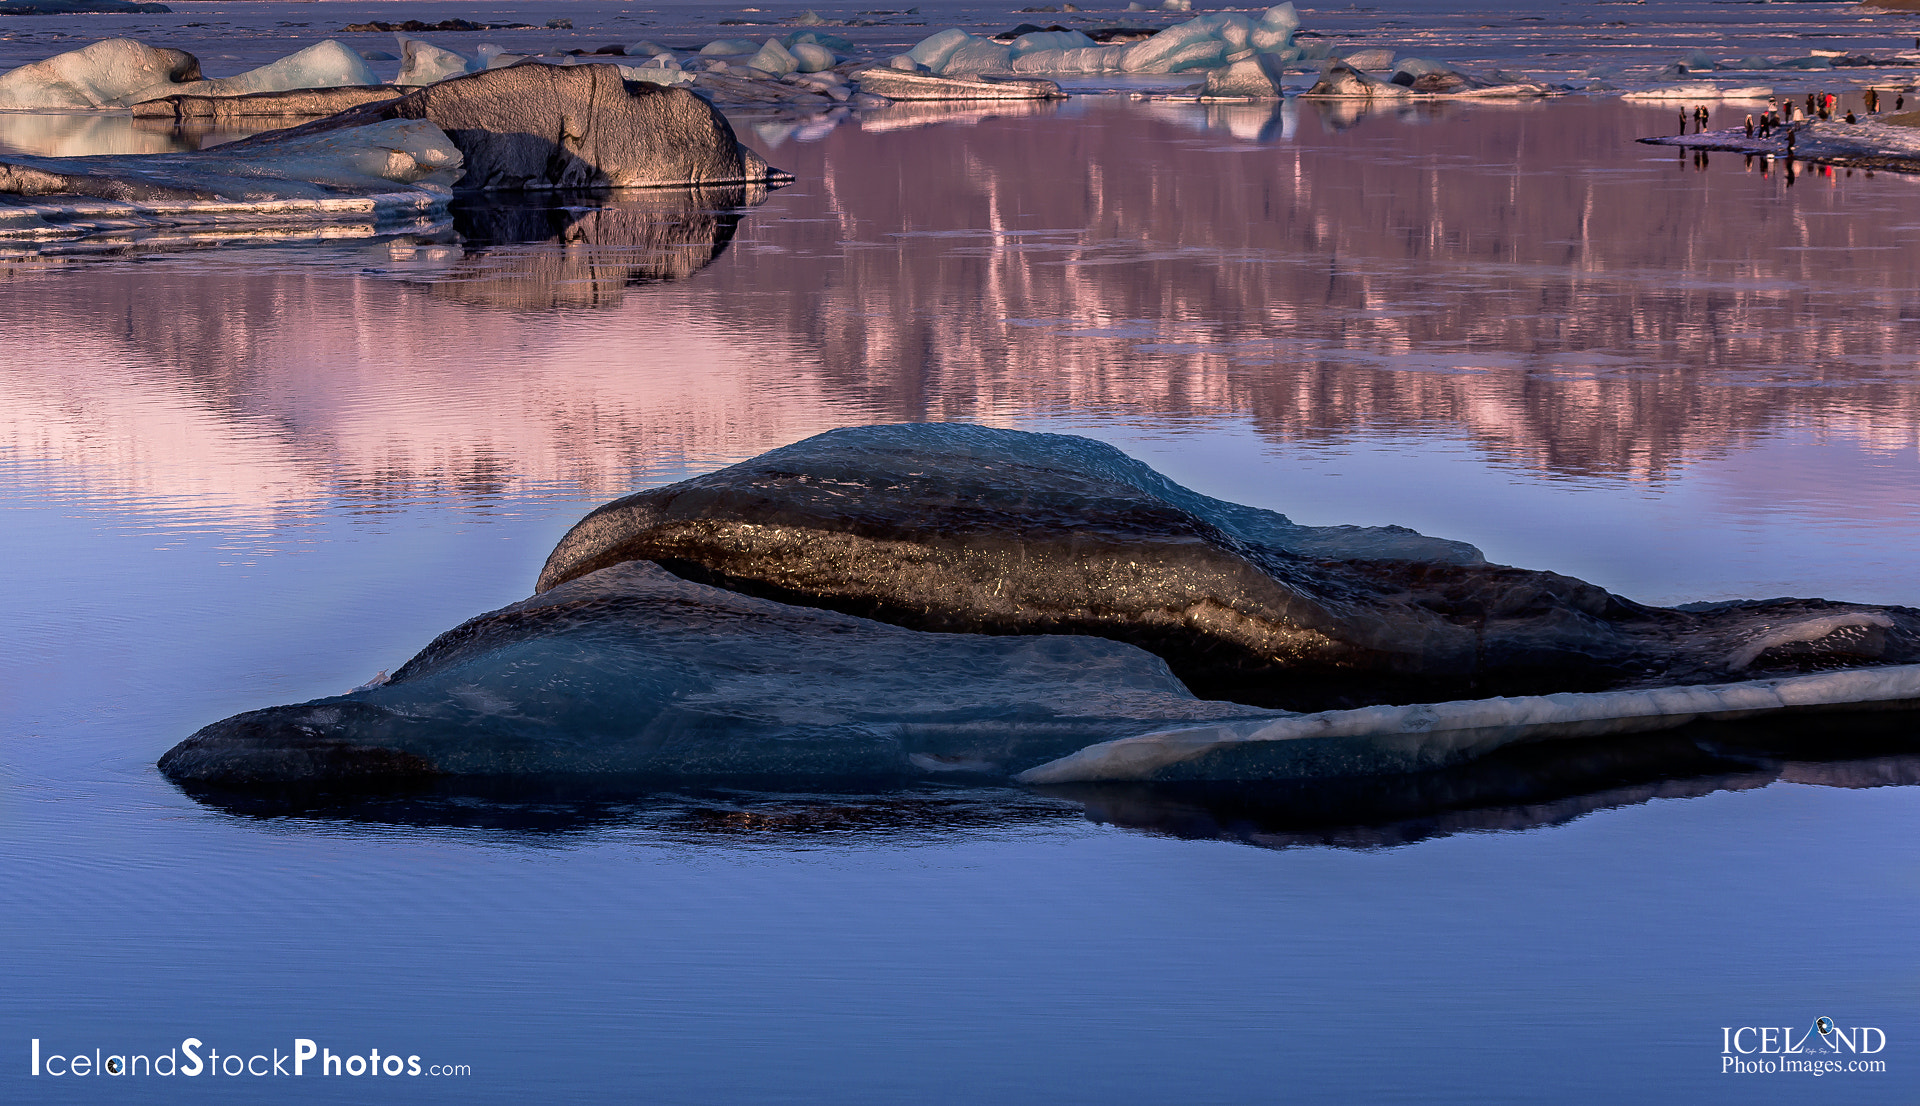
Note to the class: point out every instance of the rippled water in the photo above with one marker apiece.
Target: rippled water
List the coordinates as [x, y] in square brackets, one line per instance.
[234, 476]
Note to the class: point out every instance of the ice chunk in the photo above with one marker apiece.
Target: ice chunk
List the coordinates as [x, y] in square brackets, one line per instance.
[1343, 82]
[1198, 54]
[899, 84]
[423, 63]
[977, 55]
[819, 38]
[657, 74]
[1371, 60]
[1176, 5]
[1256, 76]
[1281, 17]
[100, 75]
[1084, 59]
[1195, 44]
[328, 64]
[811, 57]
[387, 167]
[1050, 40]
[775, 59]
[934, 50]
[1699, 91]
[727, 47]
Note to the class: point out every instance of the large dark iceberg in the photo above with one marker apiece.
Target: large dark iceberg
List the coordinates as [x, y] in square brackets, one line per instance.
[967, 529]
[940, 601]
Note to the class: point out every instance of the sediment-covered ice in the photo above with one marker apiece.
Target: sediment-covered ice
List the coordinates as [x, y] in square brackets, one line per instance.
[536, 127]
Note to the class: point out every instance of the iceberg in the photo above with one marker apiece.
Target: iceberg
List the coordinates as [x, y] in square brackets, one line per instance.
[811, 57]
[1343, 82]
[423, 63]
[328, 64]
[775, 59]
[632, 671]
[1206, 42]
[1700, 91]
[537, 127]
[1255, 76]
[969, 529]
[927, 601]
[105, 74]
[383, 172]
[899, 84]
[1050, 40]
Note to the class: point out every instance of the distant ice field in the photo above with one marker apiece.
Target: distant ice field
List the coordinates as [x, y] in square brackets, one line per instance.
[1621, 44]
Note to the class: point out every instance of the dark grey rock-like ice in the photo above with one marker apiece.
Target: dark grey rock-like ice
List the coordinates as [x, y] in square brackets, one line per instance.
[630, 670]
[893, 601]
[971, 529]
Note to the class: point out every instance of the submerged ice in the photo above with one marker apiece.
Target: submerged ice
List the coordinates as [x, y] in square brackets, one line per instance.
[925, 599]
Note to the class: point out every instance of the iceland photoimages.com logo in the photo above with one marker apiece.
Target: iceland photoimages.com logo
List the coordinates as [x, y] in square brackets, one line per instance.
[192, 1058]
[1823, 1048]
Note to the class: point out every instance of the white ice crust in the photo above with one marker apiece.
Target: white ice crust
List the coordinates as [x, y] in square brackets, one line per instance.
[1422, 736]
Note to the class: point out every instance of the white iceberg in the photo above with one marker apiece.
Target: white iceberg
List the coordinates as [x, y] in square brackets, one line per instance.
[1700, 91]
[328, 64]
[1256, 76]
[775, 59]
[104, 74]
[423, 63]
[1207, 42]
[811, 57]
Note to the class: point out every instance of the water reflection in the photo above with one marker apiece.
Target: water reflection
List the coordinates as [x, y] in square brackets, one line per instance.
[85, 134]
[1519, 789]
[1522, 280]
[540, 255]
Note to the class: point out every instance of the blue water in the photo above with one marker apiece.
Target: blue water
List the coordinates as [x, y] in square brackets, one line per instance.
[231, 478]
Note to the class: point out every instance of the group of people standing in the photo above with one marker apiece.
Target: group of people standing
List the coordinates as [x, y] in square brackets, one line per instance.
[1822, 105]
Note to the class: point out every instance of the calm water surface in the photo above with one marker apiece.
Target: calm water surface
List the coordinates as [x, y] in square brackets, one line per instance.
[241, 476]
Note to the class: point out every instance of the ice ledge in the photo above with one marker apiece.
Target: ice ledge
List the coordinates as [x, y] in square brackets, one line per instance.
[1421, 736]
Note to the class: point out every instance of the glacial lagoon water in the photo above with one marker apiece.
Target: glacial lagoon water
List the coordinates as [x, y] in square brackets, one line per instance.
[248, 474]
